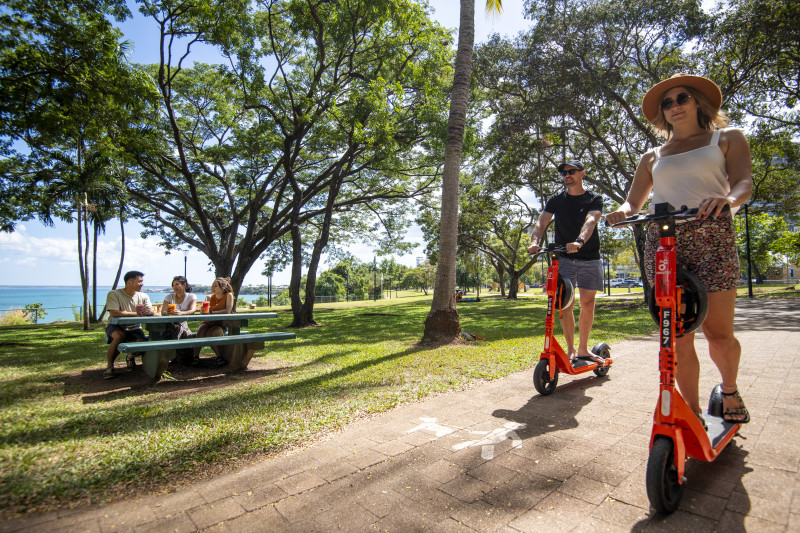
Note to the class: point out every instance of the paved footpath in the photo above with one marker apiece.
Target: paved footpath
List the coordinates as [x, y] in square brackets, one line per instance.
[500, 457]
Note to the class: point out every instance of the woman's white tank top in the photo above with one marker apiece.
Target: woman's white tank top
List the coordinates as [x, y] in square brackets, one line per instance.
[688, 178]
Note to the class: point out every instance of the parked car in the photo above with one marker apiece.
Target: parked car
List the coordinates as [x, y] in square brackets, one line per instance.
[625, 283]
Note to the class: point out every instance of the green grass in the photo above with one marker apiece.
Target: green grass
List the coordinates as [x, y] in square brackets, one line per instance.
[67, 438]
[770, 290]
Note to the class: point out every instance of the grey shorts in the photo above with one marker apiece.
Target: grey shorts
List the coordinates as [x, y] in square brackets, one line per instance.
[131, 335]
[583, 274]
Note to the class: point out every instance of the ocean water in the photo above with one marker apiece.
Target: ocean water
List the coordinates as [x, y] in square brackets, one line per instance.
[58, 300]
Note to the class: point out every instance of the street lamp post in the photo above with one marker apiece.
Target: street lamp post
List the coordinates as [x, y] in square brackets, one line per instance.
[185, 256]
[747, 243]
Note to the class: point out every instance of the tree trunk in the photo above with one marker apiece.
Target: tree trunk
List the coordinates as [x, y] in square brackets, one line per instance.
[501, 276]
[121, 259]
[442, 323]
[94, 273]
[306, 315]
[297, 257]
[86, 308]
[513, 285]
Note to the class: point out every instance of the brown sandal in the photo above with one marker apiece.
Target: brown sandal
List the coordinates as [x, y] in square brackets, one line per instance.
[735, 411]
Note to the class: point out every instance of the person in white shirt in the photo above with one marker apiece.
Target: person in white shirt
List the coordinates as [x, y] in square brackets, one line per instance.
[185, 303]
[701, 167]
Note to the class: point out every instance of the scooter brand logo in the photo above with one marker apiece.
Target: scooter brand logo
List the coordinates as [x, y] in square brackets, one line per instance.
[662, 265]
[666, 327]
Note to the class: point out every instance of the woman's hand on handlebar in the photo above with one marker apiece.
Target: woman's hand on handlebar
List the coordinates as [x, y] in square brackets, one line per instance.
[615, 217]
[533, 248]
[711, 207]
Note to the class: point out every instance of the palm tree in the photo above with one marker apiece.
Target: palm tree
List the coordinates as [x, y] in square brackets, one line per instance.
[442, 324]
[86, 191]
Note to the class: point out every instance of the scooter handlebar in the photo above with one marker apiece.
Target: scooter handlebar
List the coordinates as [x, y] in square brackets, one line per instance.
[552, 247]
[684, 213]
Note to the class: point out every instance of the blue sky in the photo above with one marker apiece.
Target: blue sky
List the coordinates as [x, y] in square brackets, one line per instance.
[39, 255]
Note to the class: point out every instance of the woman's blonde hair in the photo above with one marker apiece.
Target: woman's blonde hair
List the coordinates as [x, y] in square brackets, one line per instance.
[708, 116]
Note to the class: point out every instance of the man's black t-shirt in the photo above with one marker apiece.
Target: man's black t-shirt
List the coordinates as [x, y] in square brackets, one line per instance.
[570, 214]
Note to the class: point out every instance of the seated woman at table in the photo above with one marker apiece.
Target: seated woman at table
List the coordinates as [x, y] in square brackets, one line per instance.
[221, 300]
[185, 303]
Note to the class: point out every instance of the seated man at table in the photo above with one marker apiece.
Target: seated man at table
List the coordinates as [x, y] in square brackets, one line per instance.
[128, 301]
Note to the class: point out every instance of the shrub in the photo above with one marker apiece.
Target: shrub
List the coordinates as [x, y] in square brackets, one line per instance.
[14, 317]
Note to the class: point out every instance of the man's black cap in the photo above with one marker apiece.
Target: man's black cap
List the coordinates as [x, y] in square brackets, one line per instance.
[573, 163]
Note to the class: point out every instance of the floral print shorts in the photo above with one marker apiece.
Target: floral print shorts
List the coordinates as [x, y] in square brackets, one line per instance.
[706, 248]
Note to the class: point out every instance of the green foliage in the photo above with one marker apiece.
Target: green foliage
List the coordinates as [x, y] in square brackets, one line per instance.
[788, 244]
[33, 312]
[64, 82]
[754, 49]
[330, 284]
[261, 301]
[765, 231]
[241, 302]
[776, 172]
[14, 317]
[493, 214]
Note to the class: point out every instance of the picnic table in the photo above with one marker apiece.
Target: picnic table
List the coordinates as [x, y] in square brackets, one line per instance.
[237, 347]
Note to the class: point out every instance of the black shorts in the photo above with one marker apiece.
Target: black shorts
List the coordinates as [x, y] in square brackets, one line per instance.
[131, 335]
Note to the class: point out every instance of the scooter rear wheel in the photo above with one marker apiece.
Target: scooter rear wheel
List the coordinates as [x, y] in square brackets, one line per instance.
[663, 485]
[541, 378]
[602, 349]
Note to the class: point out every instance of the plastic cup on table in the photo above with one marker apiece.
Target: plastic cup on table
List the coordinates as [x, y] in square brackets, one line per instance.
[139, 309]
[206, 307]
[172, 309]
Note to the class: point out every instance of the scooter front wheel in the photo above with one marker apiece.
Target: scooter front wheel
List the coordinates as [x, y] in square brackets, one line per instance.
[541, 378]
[663, 485]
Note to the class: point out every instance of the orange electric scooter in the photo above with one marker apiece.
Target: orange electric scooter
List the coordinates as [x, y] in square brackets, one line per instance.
[554, 359]
[678, 304]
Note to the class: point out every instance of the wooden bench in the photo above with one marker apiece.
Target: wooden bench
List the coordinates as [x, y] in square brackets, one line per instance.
[237, 347]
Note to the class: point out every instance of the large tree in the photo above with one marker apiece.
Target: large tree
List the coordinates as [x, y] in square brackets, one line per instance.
[322, 108]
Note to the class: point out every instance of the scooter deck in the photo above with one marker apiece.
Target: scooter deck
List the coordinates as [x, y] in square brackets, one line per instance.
[582, 361]
[718, 428]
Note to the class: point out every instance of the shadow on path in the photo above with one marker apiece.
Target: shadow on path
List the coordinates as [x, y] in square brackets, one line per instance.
[713, 490]
[760, 315]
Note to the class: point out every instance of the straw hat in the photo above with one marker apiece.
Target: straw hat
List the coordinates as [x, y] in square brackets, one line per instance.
[652, 100]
